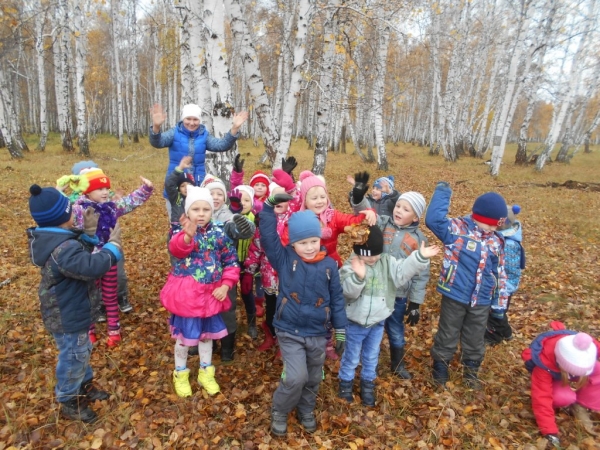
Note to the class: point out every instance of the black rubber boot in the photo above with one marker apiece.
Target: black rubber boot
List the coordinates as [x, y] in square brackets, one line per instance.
[91, 392]
[397, 363]
[470, 371]
[252, 331]
[367, 392]
[227, 348]
[345, 390]
[308, 421]
[78, 409]
[440, 372]
[278, 423]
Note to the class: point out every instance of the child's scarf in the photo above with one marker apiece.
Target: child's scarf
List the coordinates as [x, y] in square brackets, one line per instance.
[107, 219]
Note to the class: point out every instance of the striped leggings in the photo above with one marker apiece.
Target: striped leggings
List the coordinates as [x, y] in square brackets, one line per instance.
[108, 285]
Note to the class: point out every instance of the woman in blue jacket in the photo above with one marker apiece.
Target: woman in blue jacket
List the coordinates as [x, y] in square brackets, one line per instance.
[190, 138]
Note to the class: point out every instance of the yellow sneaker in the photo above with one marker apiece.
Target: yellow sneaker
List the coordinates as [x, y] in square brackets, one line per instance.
[181, 380]
[206, 377]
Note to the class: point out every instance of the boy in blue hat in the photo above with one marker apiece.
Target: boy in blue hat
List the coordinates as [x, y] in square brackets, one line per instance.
[310, 295]
[472, 280]
[69, 272]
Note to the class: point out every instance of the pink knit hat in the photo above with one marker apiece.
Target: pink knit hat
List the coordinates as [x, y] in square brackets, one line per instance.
[309, 180]
[576, 354]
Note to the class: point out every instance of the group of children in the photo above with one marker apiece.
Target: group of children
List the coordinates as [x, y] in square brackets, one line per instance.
[287, 232]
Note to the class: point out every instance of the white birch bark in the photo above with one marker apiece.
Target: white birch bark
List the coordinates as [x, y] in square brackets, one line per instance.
[135, 74]
[503, 123]
[574, 79]
[220, 163]
[326, 86]
[41, 74]
[258, 94]
[62, 91]
[6, 114]
[79, 34]
[115, 10]
[189, 22]
[305, 15]
[378, 95]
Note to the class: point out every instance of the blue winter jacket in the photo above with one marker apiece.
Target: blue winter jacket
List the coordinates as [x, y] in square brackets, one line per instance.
[473, 268]
[69, 272]
[514, 256]
[183, 142]
[310, 294]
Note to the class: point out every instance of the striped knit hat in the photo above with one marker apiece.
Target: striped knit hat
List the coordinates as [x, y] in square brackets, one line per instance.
[96, 179]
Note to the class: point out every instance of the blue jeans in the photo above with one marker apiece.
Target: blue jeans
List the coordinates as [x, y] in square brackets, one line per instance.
[362, 344]
[73, 367]
[394, 325]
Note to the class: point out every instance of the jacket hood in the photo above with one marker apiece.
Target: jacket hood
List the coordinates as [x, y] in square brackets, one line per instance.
[514, 232]
[43, 241]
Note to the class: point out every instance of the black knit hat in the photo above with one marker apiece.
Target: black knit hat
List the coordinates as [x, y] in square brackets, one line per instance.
[374, 244]
[184, 178]
[48, 206]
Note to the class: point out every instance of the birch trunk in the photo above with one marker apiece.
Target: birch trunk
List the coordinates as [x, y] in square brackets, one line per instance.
[521, 156]
[326, 86]
[6, 111]
[254, 79]
[79, 34]
[305, 15]
[61, 75]
[115, 6]
[575, 76]
[220, 163]
[41, 75]
[588, 134]
[135, 74]
[189, 24]
[503, 123]
[378, 95]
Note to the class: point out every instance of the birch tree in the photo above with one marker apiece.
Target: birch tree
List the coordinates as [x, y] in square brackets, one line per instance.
[574, 77]
[79, 34]
[383, 41]
[305, 15]
[256, 86]
[6, 114]
[61, 51]
[40, 19]
[115, 7]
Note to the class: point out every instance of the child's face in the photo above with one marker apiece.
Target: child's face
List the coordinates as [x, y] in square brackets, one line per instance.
[218, 198]
[308, 248]
[282, 207]
[200, 213]
[485, 226]
[404, 214]
[376, 193]
[316, 200]
[99, 195]
[183, 188]
[370, 260]
[246, 203]
[191, 123]
[260, 189]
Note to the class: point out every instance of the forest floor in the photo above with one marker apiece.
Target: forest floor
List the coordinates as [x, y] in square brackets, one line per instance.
[561, 282]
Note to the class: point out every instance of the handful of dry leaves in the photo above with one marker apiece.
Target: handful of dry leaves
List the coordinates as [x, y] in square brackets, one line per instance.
[358, 233]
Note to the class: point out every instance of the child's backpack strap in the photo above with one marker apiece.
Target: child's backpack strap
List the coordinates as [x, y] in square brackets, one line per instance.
[531, 355]
[522, 265]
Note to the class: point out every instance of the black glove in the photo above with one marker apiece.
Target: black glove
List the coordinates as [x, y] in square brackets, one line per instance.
[276, 199]
[553, 439]
[412, 314]
[289, 164]
[340, 341]
[242, 224]
[235, 201]
[361, 187]
[238, 163]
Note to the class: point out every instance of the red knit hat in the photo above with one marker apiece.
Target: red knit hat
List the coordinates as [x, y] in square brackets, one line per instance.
[260, 177]
[97, 180]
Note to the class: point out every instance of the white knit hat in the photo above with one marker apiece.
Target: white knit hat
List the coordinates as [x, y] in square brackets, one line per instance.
[211, 182]
[191, 110]
[274, 186]
[576, 354]
[416, 201]
[195, 194]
